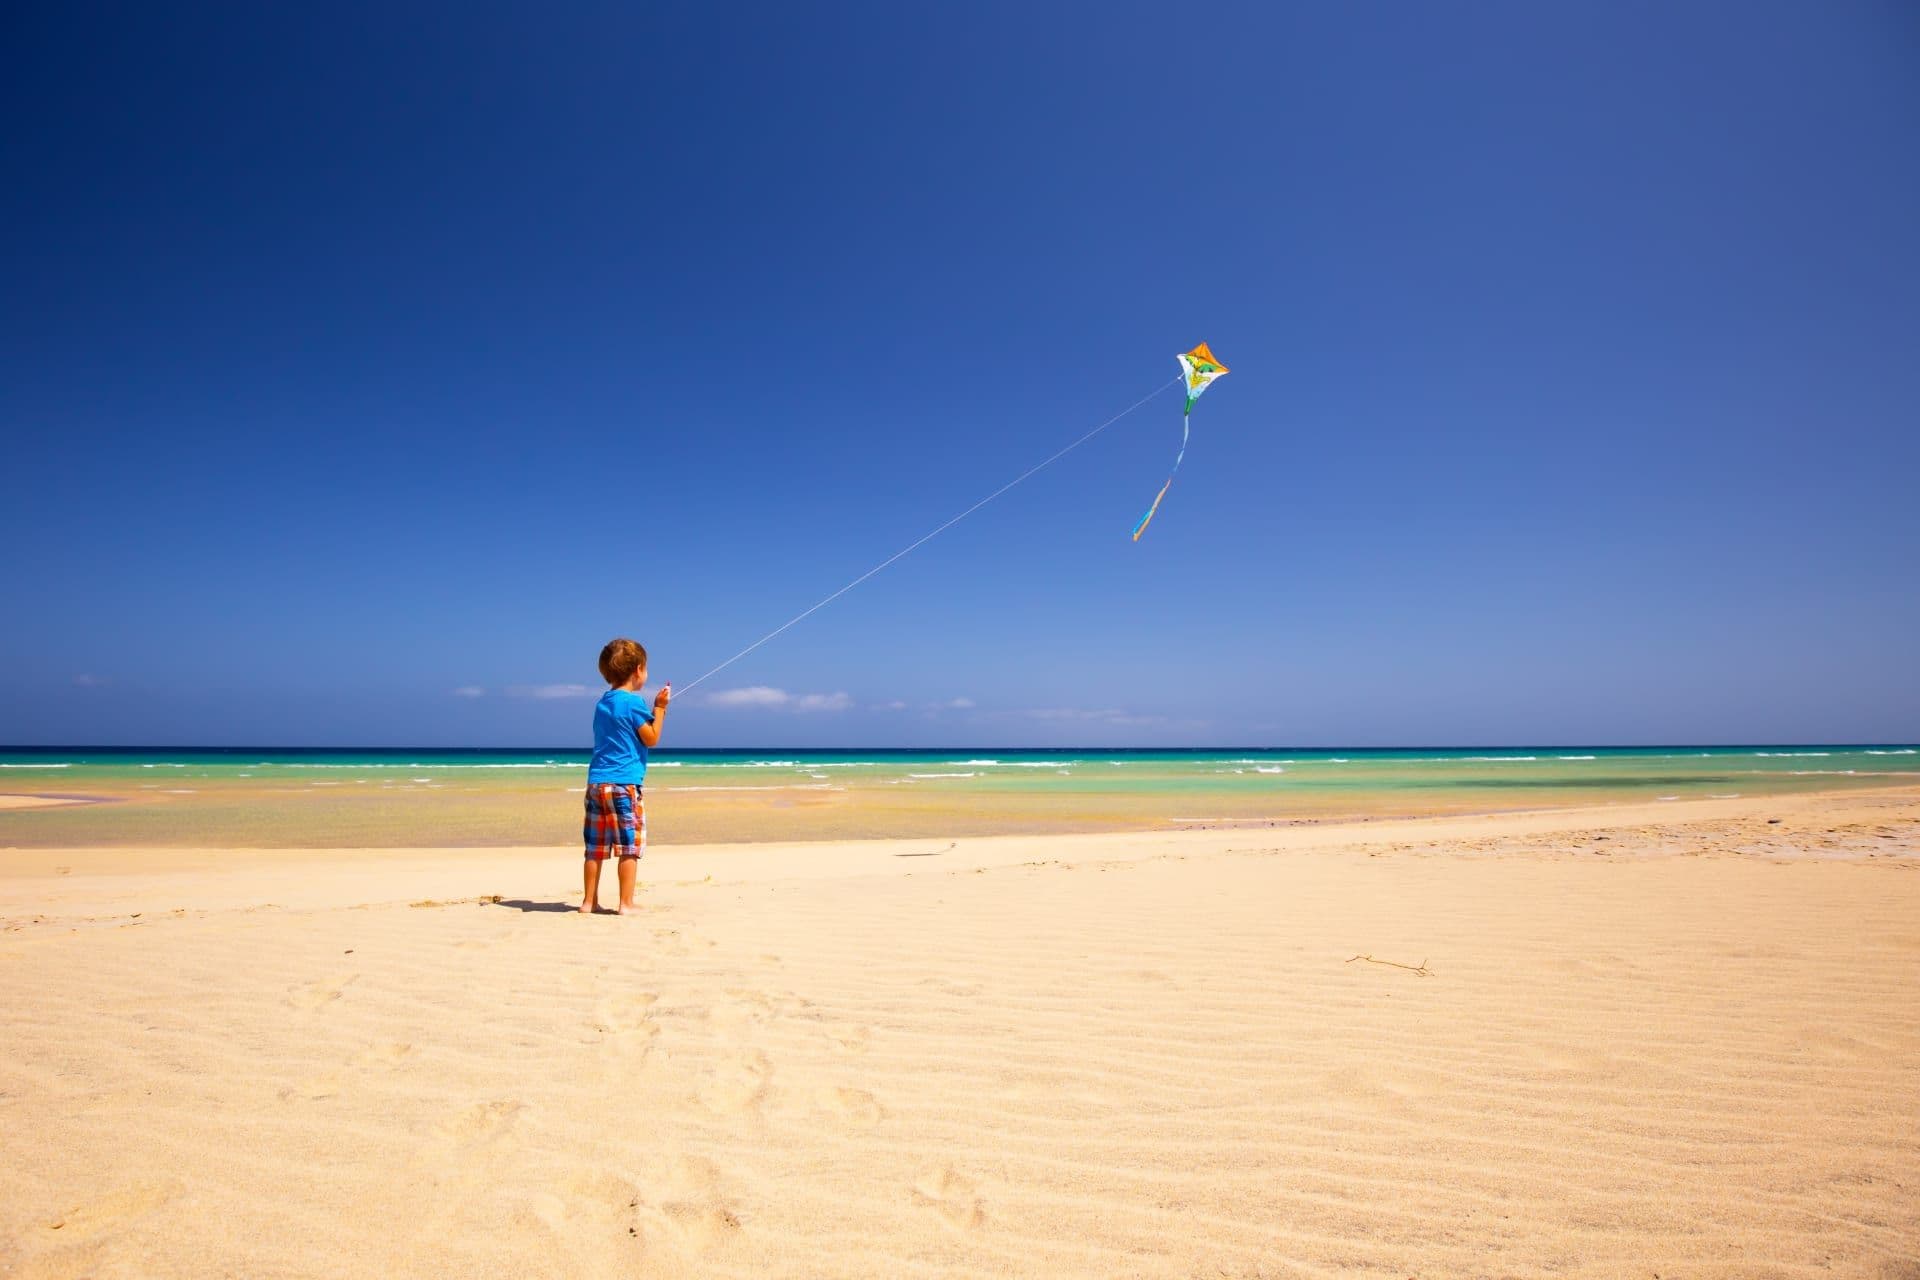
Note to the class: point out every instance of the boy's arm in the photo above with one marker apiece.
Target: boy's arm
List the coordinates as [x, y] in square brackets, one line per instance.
[649, 730]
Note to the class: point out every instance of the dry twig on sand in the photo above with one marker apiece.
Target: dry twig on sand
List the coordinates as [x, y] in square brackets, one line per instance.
[930, 853]
[1420, 968]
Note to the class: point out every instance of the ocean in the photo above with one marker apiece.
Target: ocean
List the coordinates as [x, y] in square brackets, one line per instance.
[418, 797]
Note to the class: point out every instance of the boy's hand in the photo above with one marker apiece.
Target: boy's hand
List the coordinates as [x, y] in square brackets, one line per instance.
[662, 698]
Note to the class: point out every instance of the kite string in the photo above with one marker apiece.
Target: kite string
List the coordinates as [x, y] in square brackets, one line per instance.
[1037, 467]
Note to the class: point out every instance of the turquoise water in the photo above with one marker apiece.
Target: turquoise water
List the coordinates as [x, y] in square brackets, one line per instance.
[1654, 771]
[389, 798]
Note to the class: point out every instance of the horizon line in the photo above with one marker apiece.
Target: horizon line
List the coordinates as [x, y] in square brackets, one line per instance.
[587, 749]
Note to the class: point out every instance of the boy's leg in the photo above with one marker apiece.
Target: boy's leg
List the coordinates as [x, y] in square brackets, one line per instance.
[590, 883]
[630, 857]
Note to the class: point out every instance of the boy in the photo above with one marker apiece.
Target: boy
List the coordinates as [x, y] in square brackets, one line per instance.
[623, 729]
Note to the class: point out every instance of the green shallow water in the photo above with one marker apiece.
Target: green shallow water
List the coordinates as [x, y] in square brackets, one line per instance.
[424, 797]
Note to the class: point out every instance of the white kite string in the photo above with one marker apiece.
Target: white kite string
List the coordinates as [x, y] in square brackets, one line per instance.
[1037, 467]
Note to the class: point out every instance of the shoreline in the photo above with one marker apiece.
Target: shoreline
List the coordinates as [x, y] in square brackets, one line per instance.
[325, 819]
[414, 799]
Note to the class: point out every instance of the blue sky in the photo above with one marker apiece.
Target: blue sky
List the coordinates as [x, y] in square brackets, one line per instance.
[363, 368]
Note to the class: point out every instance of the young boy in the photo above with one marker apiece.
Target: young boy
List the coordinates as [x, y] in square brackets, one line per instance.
[623, 729]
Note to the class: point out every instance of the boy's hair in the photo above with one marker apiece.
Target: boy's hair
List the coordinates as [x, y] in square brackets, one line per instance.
[620, 659]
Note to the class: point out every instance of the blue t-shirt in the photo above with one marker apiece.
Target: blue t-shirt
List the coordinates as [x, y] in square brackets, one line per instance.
[618, 753]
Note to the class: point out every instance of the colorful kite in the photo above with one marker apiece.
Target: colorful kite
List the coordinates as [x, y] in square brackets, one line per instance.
[1199, 369]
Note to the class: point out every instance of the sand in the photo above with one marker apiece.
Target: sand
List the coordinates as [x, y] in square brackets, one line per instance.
[1673, 1040]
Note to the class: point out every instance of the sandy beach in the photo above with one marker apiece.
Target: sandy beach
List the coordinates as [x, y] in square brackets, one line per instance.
[1676, 1040]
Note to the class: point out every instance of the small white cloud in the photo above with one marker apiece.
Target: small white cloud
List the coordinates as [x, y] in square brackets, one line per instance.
[952, 704]
[766, 698]
[87, 680]
[1103, 715]
[469, 691]
[549, 691]
[754, 695]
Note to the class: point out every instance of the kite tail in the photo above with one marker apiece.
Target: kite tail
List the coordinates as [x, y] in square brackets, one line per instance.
[1147, 519]
[1142, 526]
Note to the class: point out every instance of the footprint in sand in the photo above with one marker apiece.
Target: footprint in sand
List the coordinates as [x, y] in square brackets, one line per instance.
[626, 1018]
[699, 1225]
[685, 1212]
[323, 1086]
[603, 1206]
[626, 1010]
[374, 1058]
[541, 1211]
[686, 1177]
[742, 1006]
[484, 1122]
[315, 995]
[849, 1039]
[690, 1210]
[953, 1197]
[738, 1086]
[383, 1055]
[856, 1106]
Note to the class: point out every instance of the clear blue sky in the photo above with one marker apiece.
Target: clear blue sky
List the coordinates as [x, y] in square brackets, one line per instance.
[365, 367]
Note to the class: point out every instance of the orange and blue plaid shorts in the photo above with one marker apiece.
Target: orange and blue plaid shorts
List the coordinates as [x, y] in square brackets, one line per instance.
[616, 824]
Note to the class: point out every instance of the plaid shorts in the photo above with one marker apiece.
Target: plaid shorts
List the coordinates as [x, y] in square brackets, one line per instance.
[616, 824]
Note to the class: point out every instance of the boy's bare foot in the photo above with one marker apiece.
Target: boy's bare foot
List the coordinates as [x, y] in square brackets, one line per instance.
[588, 908]
[629, 909]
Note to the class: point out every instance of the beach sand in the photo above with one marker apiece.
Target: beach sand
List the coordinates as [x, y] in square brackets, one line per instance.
[1665, 1039]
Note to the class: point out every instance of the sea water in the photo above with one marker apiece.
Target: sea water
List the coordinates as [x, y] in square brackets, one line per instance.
[1052, 768]
[434, 796]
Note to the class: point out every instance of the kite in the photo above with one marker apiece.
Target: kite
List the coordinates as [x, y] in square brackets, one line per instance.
[1198, 369]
